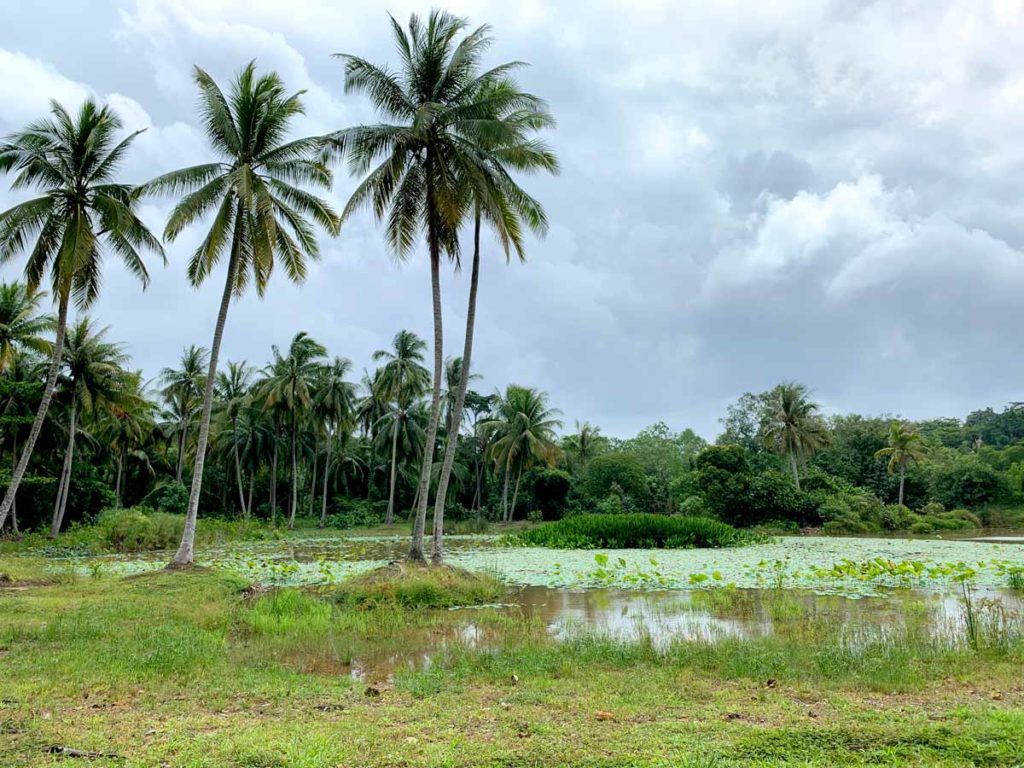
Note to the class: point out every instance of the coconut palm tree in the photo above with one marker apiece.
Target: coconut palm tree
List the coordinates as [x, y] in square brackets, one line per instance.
[72, 161]
[182, 390]
[793, 426]
[424, 162]
[94, 375]
[402, 430]
[514, 147]
[232, 391]
[261, 213]
[905, 445]
[334, 409]
[23, 326]
[523, 433]
[402, 380]
[289, 384]
[582, 446]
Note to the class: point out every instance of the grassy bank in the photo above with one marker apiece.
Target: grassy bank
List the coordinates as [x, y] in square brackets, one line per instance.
[192, 670]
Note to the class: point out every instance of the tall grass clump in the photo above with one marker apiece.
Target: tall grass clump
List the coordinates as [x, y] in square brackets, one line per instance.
[634, 531]
[417, 586]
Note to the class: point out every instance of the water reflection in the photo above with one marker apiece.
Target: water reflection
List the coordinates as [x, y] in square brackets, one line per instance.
[707, 616]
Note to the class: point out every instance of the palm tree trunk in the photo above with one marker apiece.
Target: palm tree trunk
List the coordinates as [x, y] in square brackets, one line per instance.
[180, 469]
[504, 497]
[273, 483]
[295, 477]
[14, 464]
[238, 467]
[327, 474]
[903, 476]
[515, 496]
[416, 547]
[796, 473]
[44, 405]
[117, 484]
[186, 550]
[460, 401]
[389, 518]
[252, 482]
[65, 474]
[312, 483]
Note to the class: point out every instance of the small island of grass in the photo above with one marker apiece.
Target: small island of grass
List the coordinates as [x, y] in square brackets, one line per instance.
[634, 531]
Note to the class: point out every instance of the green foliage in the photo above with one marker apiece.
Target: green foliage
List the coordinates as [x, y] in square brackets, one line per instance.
[139, 529]
[638, 531]
[549, 489]
[415, 586]
[965, 482]
[354, 513]
[619, 470]
[167, 497]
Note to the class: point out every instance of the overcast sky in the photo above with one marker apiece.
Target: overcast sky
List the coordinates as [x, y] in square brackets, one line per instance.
[831, 192]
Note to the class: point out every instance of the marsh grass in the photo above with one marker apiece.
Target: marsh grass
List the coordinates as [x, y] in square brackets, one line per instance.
[419, 586]
[634, 531]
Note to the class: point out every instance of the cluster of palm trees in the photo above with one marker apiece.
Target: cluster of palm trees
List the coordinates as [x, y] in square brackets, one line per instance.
[299, 421]
[441, 161]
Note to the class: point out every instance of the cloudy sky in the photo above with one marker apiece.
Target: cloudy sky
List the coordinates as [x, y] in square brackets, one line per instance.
[831, 192]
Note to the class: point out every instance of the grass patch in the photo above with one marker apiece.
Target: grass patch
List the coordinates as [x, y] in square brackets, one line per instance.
[419, 586]
[637, 531]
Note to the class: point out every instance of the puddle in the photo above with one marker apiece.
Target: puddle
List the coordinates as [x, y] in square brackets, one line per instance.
[709, 616]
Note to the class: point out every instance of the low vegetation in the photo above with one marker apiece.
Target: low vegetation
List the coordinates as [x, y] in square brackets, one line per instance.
[419, 586]
[638, 531]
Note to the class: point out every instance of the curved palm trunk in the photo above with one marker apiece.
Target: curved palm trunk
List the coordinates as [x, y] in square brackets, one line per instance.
[293, 506]
[186, 550]
[117, 483]
[252, 482]
[460, 402]
[504, 497]
[903, 477]
[14, 464]
[390, 517]
[65, 474]
[44, 405]
[796, 473]
[416, 547]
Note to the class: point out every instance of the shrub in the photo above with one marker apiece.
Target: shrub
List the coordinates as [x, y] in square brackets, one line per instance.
[922, 526]
[419, 586]
[138, 529]
[535, 516]
[353, 513]
[966, 483]
[896, 517]
[693, 506]
[637, 531]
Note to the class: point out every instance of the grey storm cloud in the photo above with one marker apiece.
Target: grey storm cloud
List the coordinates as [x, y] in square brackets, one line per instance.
[831, 192]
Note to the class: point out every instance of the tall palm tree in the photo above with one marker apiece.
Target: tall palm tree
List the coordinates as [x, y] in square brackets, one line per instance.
[261, 212]
[403, 430]
[289, 384]
[95, 374]
[182, 390]
[523, 433]
[584, 445]
[402, 380]
[793, 426]
[334, 406]
[506, 208]
[424, 162]
[233, 390]
[905, 445]
[72, 161]
[21, 385]
[23, 326]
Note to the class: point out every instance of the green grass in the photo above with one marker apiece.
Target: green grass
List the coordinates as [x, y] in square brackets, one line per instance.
[192, 670]
[636, 531]
[419, 586]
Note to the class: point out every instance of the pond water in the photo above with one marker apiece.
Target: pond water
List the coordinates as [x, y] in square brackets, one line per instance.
[664, 617]
[798, 562]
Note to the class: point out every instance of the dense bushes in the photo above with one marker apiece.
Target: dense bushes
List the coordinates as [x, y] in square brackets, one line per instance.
[637, 531]
[139, 529]
[354, 513]
[619, 472]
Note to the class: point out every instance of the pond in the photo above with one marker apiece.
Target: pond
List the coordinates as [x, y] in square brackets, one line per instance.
[851, 566]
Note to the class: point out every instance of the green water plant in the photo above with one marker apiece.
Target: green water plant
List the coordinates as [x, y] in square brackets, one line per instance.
[634, 531]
